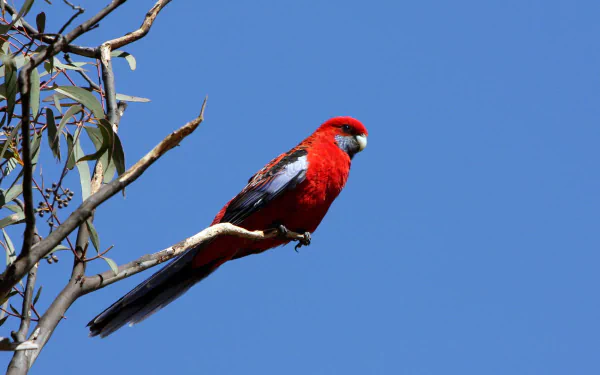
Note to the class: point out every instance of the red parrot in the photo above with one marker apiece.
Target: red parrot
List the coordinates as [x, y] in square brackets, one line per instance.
[294, 191]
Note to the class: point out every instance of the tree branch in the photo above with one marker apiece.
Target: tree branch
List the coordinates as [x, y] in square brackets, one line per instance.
[28, 234]
[8, 346]
[33, 32]
[143, 30]
[109, 83]
[90, 284]
[19, 363]
[21, 265]
[15, 273]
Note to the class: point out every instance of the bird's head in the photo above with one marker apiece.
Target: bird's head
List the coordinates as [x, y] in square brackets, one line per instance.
[348, 133]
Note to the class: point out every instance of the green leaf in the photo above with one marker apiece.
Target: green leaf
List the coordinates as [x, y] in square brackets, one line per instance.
[127, 56]
[58, 65]
[14, 310]
[95, 135]
[35, 148]
[119, 156]
[37, 295]
[40, 21]
[35, 92]
[71, 155]
[12, 219]
[6, 317]
[93, 234]
[23, 12]
[10, 83]
[107, 128]
[84, 171]
[58, 248]
[13, 192]
[53, 138]
[84, 97]
[109, 172]
[129, 98]
[13, 207]
[101, 139]
[57, 103]
[11, 255]
[113, 266]
[72, 111]
[19, 61]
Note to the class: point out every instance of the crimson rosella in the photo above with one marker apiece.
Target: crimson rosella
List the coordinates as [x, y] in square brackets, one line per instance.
[293, 191]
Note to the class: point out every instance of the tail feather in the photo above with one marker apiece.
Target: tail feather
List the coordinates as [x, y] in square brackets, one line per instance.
[153, 294]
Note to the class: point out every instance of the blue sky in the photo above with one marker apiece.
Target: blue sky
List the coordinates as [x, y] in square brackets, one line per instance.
[466, 241]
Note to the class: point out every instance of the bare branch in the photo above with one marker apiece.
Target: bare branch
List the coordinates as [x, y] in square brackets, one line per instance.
[109, 83]
[79, 10]
[21, 265]
[90, 284]
[28, 234]
[19, 363]
[144, 28]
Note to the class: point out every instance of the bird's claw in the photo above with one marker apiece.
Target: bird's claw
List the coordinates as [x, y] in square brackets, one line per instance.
[304, 241]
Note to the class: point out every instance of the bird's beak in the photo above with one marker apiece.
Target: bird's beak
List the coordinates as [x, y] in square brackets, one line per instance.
[361, 139]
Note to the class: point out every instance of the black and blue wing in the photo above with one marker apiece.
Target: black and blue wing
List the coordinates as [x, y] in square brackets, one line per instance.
[282, 174]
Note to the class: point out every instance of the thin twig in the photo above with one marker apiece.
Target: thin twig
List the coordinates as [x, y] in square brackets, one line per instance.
[32, 31]
[79, 10]
[93, 84]
[144, 28]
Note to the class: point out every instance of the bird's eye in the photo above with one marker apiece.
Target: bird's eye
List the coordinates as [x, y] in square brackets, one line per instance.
[346, 128]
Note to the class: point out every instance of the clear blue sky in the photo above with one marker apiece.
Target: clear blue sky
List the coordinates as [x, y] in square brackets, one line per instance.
[466, 241]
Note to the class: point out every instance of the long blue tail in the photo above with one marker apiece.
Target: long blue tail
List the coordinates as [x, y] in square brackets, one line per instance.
[153, 294]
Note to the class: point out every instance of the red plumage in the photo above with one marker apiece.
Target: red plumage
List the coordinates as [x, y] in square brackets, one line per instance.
[295, 190]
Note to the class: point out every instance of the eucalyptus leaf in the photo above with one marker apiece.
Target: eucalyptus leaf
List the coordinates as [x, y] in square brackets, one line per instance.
[129, 98]
[113, 266]
[127, 56]
[13, 192]
[57, 103]
[35, 92]
[84, 97]
[93, 234]
[119, 156]
[83, 168]
[13, 207]
[12, 219]
[72, 111]
[101, 139]
[11, 254]
[40, 21]
[37, 295]
[53, 138]
[71, 157]
[10, 82]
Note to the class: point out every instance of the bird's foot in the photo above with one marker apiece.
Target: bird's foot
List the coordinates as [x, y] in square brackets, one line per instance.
[304, 241]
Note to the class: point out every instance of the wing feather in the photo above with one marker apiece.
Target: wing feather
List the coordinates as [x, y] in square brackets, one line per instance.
[282, 174]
